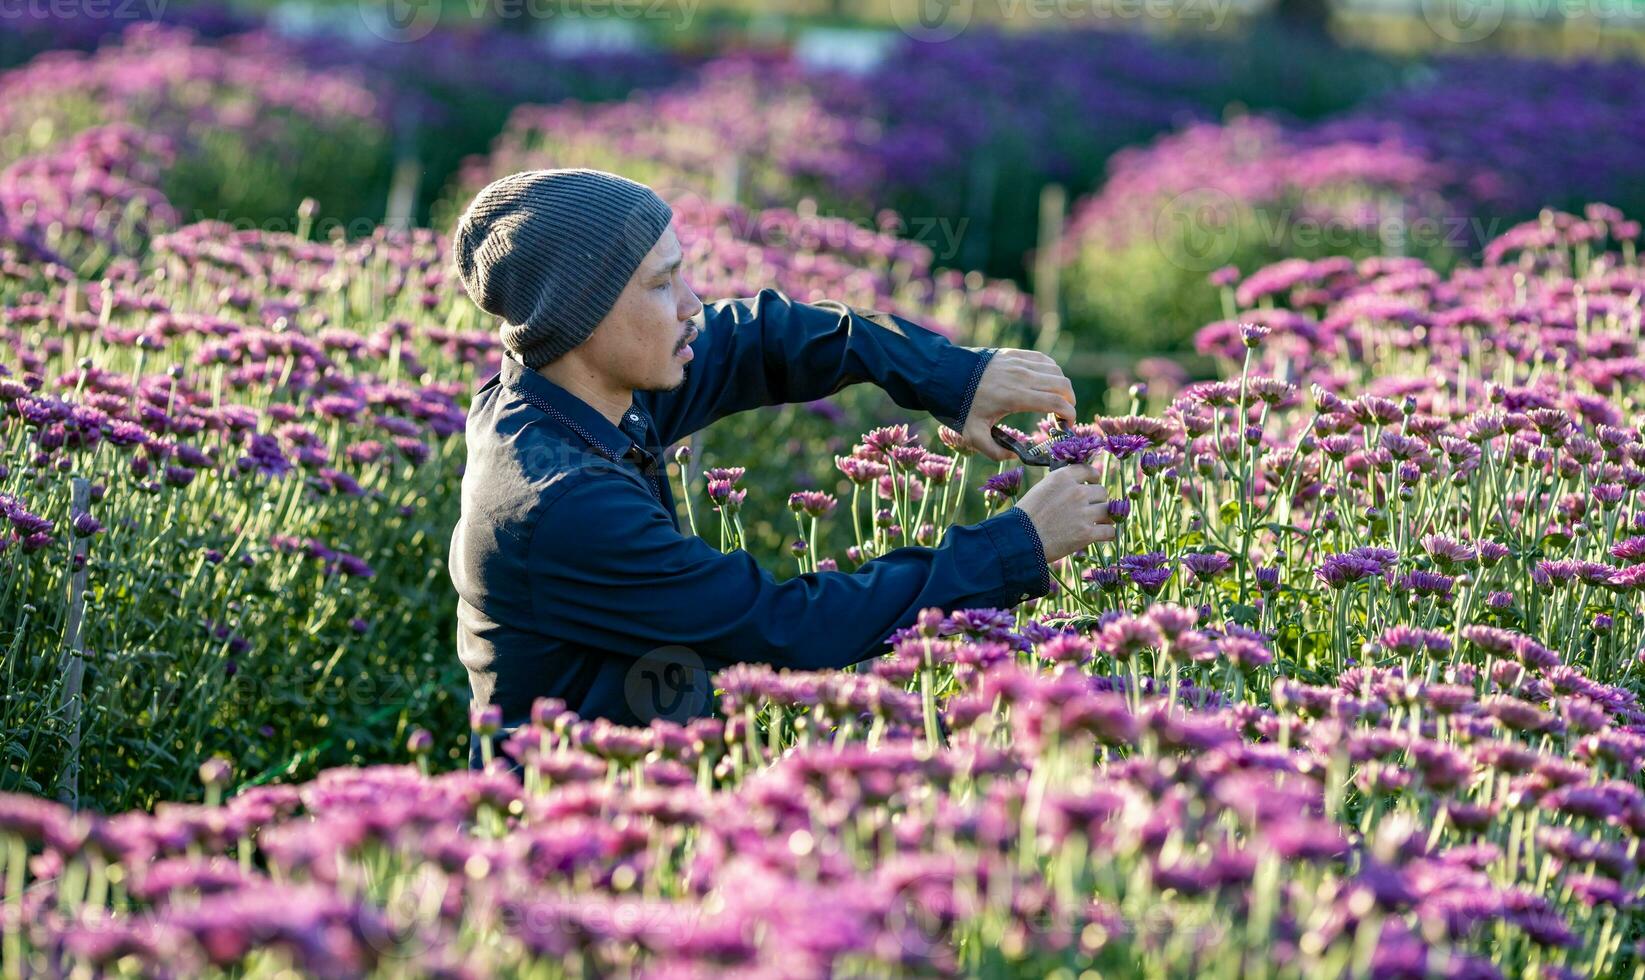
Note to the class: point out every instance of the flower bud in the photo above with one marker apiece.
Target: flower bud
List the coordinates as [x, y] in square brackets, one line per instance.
[485, 721]
[216, 771]
[420, 741]
[1253, 334]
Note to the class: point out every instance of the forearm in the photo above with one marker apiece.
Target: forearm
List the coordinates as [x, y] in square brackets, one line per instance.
[771, 350]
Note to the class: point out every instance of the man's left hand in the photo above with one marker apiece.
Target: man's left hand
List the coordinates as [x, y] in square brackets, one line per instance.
[1015, 381]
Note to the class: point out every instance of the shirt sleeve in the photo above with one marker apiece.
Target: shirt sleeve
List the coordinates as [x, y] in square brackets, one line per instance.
[609, 571]
[772, 350]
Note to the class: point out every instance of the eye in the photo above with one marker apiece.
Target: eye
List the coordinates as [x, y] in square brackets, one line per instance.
[663, 285]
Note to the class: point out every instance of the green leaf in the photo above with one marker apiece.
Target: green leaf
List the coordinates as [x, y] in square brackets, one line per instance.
[1245, 615]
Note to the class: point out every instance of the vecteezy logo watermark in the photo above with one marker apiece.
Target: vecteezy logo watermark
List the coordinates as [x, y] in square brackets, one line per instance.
[1464, 21]
[670, 683]
[1198, 230]
[400, 21]
[409, 922]
[404, 21]
[944, 20]
[82, 9]
[932, 20]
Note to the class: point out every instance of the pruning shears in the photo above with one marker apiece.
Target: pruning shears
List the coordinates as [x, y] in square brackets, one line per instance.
[1035, 454]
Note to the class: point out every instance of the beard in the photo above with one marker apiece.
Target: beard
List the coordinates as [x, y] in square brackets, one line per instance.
[676, 386]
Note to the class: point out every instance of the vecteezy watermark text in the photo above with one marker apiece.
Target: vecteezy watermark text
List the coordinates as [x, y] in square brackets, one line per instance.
[82, 9]
[1203, 228]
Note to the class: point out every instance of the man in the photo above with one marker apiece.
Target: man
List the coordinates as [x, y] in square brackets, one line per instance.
[574, 579]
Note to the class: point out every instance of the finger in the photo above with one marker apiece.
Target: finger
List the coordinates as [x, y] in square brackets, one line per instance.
[1082, 473]
[1065, 409]
[1040, 400]
[995, 451]
[1099, 494]
[1051, 379]
[1104, 532]
[1100, 511]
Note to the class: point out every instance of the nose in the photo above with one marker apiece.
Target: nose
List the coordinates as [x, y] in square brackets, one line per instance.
[695, 305]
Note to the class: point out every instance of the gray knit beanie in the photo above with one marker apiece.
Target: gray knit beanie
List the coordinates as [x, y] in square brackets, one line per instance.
[549, 251]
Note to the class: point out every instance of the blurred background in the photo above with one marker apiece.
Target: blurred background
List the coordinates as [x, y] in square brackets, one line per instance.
[1090, 164]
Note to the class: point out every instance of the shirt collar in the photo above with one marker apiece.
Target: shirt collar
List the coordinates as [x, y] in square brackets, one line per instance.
[615, 441]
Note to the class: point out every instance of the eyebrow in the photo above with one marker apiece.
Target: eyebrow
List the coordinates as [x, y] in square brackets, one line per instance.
[670, 267]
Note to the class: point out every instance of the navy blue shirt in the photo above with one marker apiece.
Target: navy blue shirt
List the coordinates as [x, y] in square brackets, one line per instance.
[575, 581]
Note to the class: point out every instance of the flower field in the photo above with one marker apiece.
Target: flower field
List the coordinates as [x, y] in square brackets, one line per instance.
[1353, 693]
[1356, 691]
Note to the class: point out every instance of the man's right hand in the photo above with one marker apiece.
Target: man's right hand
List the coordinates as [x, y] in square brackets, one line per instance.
[1069, 508]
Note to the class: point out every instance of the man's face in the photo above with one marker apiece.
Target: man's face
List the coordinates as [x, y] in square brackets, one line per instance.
[643, 341]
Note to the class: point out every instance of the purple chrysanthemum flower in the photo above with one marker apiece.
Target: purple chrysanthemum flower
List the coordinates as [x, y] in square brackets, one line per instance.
[1147, 560]
[1076, 448]
[1207, 565]
[1122, 445]
[1105, 577]
[1244, 652]
[813, 503]
[1448, 551]
[1410, 640]
[1126, 636]
[1001, 485]
[1339, 571]
[1428, 584]
[1151, 580]
[265, 457]
[731, 475]
[860, 471]
[1629, 549]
